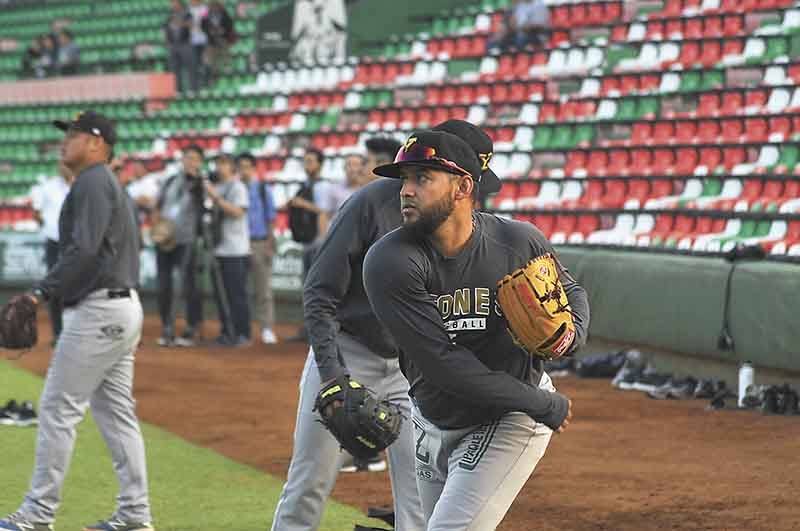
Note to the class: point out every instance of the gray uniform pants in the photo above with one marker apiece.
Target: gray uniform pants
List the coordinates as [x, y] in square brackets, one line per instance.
[92, 366]
[316, 457]
[468, 478]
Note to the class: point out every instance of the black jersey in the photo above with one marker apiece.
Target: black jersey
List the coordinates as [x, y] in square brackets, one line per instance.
[333, 295]
[462, 364]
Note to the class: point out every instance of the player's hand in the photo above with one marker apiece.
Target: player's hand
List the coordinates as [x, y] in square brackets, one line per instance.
[333, 405]
[567, 419]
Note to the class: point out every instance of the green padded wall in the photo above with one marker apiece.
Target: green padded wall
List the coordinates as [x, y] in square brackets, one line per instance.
[676, 303]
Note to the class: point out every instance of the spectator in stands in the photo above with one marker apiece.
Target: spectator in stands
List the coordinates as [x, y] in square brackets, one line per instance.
[177, 35]
[179, 203]
[198, 39]
[232, 252]
[261, 215]
[30, 59]
[218, 27]
[380, 150]
[46, 65]
[526, 22]
[47, 199]
[69, 55]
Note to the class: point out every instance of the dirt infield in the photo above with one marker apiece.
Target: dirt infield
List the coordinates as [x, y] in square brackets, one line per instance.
[626, 463]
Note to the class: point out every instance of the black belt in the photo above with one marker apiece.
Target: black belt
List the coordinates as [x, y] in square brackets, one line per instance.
[259, 239]
[122, 293]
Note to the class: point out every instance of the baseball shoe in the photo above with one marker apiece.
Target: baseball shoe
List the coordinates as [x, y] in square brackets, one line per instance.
[268, 337]
[14, 414]
[631, 369]
[167, 338]
[649, 380]
[374, 464]
[187, 338]
[16, 522]
[8, 415]
[115, 524]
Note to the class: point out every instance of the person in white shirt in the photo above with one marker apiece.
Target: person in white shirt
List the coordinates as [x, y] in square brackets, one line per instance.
[47, 199]
[232, 253]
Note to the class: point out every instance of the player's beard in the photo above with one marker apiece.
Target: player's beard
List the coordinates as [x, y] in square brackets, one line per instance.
[431, 218]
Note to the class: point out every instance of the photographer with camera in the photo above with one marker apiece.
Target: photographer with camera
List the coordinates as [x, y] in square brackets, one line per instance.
[231, 237]
[176, 219]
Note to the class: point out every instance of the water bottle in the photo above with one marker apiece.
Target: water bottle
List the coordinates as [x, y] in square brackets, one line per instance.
[746, 377]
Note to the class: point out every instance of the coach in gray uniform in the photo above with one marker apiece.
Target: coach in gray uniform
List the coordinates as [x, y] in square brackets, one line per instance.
[95, 276]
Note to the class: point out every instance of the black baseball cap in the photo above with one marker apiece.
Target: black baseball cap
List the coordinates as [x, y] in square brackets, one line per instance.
[438, 150]
[489, 182]
[92, 123]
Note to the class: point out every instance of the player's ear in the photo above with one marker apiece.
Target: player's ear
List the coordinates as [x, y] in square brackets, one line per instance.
[465, 187]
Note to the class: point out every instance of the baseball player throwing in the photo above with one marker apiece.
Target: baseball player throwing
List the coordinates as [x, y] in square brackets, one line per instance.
[483, 408]
[92, 366]
[346, 338]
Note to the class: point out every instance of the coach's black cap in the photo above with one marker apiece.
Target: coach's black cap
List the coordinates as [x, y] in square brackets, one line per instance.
[438, 150]
[489, 182]
[92, 123]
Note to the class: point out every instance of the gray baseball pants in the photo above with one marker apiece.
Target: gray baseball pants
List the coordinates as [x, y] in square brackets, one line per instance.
[317, 458]
[92, 366]
[467, 478]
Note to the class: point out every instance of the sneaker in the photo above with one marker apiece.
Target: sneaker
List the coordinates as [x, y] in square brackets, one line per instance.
[268, 337]
[167, 338]
[632, 367]
[708, 387]
[26, 415]
[677, 388]
[8, 415]
[16, 522]
[649, 380]
[187, 337]
[115, 524]
[373, 464]
[790, 401]
[14, 414]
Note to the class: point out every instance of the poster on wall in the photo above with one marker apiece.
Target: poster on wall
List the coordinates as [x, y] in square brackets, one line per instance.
[304, 31]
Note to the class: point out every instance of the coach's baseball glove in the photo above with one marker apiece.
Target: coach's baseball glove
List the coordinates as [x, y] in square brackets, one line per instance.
[536, 308]
[18, 323]
[361, 423]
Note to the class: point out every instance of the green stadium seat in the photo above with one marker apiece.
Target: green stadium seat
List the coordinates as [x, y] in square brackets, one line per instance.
[542, 137]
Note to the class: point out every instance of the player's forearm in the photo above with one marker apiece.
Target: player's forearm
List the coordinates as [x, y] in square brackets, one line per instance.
[579, 304]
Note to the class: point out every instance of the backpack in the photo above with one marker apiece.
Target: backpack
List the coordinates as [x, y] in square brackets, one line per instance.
[302, 222]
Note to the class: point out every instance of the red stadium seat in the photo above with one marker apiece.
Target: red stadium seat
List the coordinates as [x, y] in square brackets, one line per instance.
[673, 29]
[545, 223]
[641, 162]
[770, 194]
[732, 25]
[733, 156]
[686, 161]
[609, 85]
[685, 132]
[711, 157]
[732, 103]
[661, 188]
[781, 125]
[597, 163]
[619, 33]
[576, 160]
[712, 53]
[593, 195]
[639, 189]
[618, 161]
[629, 84]
[732, 47]
[732, 130]
[655, 30]
[756, 130]
[707, 131]
[712, 27]
[663, 133]
[690, 53]
[756, 99]
[663, 161]
[616, 193]
[641, 134]
[693, 28]
[708, 105]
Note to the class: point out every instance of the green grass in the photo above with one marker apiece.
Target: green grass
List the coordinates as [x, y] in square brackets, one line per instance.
[191, 488]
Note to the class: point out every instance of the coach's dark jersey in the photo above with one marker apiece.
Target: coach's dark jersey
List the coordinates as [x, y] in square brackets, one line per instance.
[463, 366]
[99, 239]
[333, 293]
